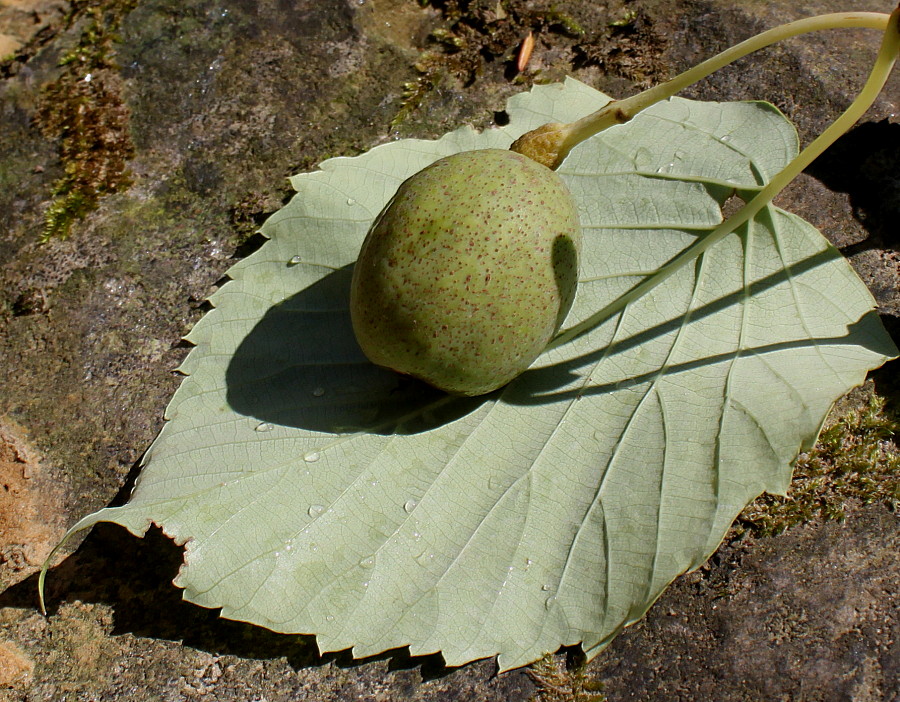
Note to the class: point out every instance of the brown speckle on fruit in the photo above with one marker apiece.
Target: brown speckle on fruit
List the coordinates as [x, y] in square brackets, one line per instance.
[494, 216]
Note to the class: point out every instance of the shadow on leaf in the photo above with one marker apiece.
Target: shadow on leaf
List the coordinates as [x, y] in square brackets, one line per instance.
[300, 366]
[868, 332]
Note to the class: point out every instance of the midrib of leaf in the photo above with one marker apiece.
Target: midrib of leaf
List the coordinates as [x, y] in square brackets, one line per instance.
[613, 276]
[643, 227]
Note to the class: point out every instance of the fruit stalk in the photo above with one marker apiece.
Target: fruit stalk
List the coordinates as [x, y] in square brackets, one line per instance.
[884, 63]
[551, 143]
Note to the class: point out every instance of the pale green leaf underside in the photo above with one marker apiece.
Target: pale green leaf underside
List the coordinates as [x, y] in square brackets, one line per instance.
[319, 495]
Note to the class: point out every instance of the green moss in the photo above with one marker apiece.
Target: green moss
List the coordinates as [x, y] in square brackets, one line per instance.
[855, 461]
[85, 112]
[559, 680]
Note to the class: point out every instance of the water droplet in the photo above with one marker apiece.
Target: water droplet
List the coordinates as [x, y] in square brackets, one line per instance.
[367, 562]
[314, 547]
[329, 618]
[549, 602]
[295, 260]
[409, 506]
[264, 426]
[351, 201]
[416, 536]
[289, 546]
[727, 137]
[315, 511]
[424, 558]
[528, 563]
[642, 156]
[545, 588]
[318, 392]
[311, 457]
[277, 554]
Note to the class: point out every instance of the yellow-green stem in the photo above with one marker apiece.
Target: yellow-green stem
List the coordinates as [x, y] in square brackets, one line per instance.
[887, 55]
[551, 143]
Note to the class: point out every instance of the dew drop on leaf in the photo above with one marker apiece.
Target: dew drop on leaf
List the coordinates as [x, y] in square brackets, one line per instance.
[315, 511]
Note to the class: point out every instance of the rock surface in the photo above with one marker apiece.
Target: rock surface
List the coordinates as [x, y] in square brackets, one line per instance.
[224, 100]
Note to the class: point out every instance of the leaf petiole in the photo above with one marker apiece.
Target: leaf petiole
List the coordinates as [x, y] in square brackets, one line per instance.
[884, 63]
[551, 143]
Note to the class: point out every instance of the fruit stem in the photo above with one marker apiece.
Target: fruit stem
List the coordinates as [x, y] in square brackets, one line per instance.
[551, 143]
[884, 62]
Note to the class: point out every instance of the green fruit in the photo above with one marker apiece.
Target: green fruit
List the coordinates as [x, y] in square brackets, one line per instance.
[468, 271]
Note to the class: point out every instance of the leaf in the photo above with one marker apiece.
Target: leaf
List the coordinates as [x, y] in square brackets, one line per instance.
[316, 493]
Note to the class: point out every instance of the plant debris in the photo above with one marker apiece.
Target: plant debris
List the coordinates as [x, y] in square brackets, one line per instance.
[478, 32]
